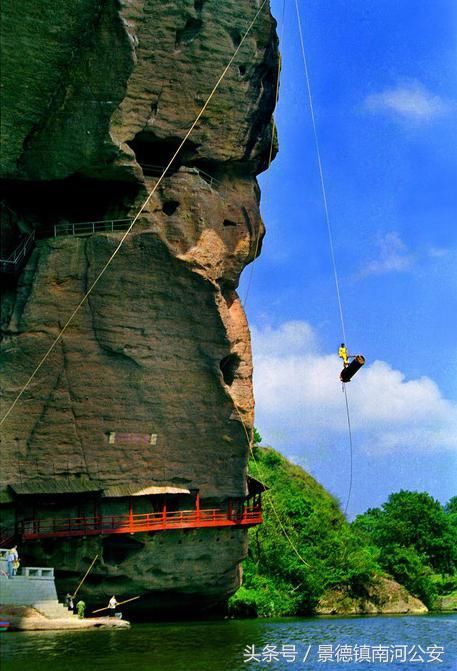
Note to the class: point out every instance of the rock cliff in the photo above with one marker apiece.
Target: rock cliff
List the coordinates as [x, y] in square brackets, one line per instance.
[97, 95]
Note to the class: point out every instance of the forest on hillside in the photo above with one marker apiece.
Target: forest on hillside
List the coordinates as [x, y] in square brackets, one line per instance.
[306, 547]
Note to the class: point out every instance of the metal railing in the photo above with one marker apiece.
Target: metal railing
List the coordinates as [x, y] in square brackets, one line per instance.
[90, 227]
[16, 260]
[149, 169]
[134, 523]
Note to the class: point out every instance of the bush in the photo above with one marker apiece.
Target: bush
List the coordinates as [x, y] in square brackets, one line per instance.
[407, 566]
[287, 575]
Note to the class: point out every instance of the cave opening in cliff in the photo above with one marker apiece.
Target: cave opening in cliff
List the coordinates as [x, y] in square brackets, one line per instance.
[41, 205]
[153, 154]
[229, 366]
[117, 549]
[190, 31]
[228, 291]
[170, 206]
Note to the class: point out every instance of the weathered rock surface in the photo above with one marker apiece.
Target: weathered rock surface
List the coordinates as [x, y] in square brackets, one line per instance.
[447, 603]
[94, 90]
[383, 596]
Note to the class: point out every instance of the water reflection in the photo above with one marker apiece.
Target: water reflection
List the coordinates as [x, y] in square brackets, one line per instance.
[219, 646]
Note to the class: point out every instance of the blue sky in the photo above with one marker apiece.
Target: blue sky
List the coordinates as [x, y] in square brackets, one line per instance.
[385, 98]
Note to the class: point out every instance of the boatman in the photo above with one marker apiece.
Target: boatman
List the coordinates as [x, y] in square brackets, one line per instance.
[81, 607]
[112, 606]
[343, 354]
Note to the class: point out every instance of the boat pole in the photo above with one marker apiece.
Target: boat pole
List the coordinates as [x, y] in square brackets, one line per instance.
[85, 576]
[118, 604]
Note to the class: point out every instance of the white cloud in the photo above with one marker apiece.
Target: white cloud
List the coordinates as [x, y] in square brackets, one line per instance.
[438, 252]
[393, 256]
[299, 399]
[410, 101]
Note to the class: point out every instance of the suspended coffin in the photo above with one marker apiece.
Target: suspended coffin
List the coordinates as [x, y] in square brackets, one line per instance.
[355, 365]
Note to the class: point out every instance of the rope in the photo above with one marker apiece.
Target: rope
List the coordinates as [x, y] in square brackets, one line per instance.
[321, 173]
[244, 301]
[329, 230]
[270, 157]
[348, 415]
[134, 220]
[270, 500]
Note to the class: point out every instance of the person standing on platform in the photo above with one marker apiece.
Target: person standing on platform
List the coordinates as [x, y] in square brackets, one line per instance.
[69, 602]
[12, 561]
[112, 606]
[81, 607]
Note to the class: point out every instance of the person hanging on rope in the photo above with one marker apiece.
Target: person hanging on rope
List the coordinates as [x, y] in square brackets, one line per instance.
[343, 354]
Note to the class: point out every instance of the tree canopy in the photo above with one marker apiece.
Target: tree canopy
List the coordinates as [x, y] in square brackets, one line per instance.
[306, 546]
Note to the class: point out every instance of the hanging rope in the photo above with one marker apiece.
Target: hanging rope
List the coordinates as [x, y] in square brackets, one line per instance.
[348, 415]
[267, 494]
[270, 157]
[134, 220]
[127, 232]
[330, 234]
[249, 439]
[321, 172]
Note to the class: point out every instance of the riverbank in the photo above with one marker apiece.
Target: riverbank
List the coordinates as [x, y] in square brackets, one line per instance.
[26, 618]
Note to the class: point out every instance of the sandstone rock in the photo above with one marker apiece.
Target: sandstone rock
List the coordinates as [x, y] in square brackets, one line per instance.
[383, 596]
[93, 93]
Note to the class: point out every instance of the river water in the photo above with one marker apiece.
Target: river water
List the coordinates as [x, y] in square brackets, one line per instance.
[372, 643]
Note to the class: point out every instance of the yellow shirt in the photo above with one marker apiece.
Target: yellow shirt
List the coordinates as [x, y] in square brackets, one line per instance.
[343, 353]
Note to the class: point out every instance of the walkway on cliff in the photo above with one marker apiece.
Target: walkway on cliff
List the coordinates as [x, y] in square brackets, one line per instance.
[18, 258]
[248, 516]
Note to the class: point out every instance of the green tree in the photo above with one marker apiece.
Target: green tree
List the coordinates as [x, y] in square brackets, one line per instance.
[257, 438]
[304, 546]
[407, 566]
[413, 520]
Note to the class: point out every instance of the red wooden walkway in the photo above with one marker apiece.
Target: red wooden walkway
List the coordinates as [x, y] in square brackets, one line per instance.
[135, 523]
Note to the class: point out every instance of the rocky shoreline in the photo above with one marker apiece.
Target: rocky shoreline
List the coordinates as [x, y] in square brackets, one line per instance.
[26, 618]
[384, 597]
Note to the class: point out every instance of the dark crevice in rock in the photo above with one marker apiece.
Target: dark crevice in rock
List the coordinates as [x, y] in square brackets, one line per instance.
[229, 223]
[189, 32]
[235, 36]
[71, 200]
[66, 383]
[229, 366]
[247, 221]
[228, 291]
[198, 5]
[264, 79]
[152, 153]
[118, 549]
[40, 421]
[170, 206]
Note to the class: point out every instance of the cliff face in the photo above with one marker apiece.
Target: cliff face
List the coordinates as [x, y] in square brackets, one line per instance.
[96, 93]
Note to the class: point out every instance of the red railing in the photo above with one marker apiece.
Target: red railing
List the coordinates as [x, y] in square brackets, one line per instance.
[6, 537]
[134, 523]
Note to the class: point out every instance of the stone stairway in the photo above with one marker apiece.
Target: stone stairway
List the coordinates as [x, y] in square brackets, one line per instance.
[53, 610]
